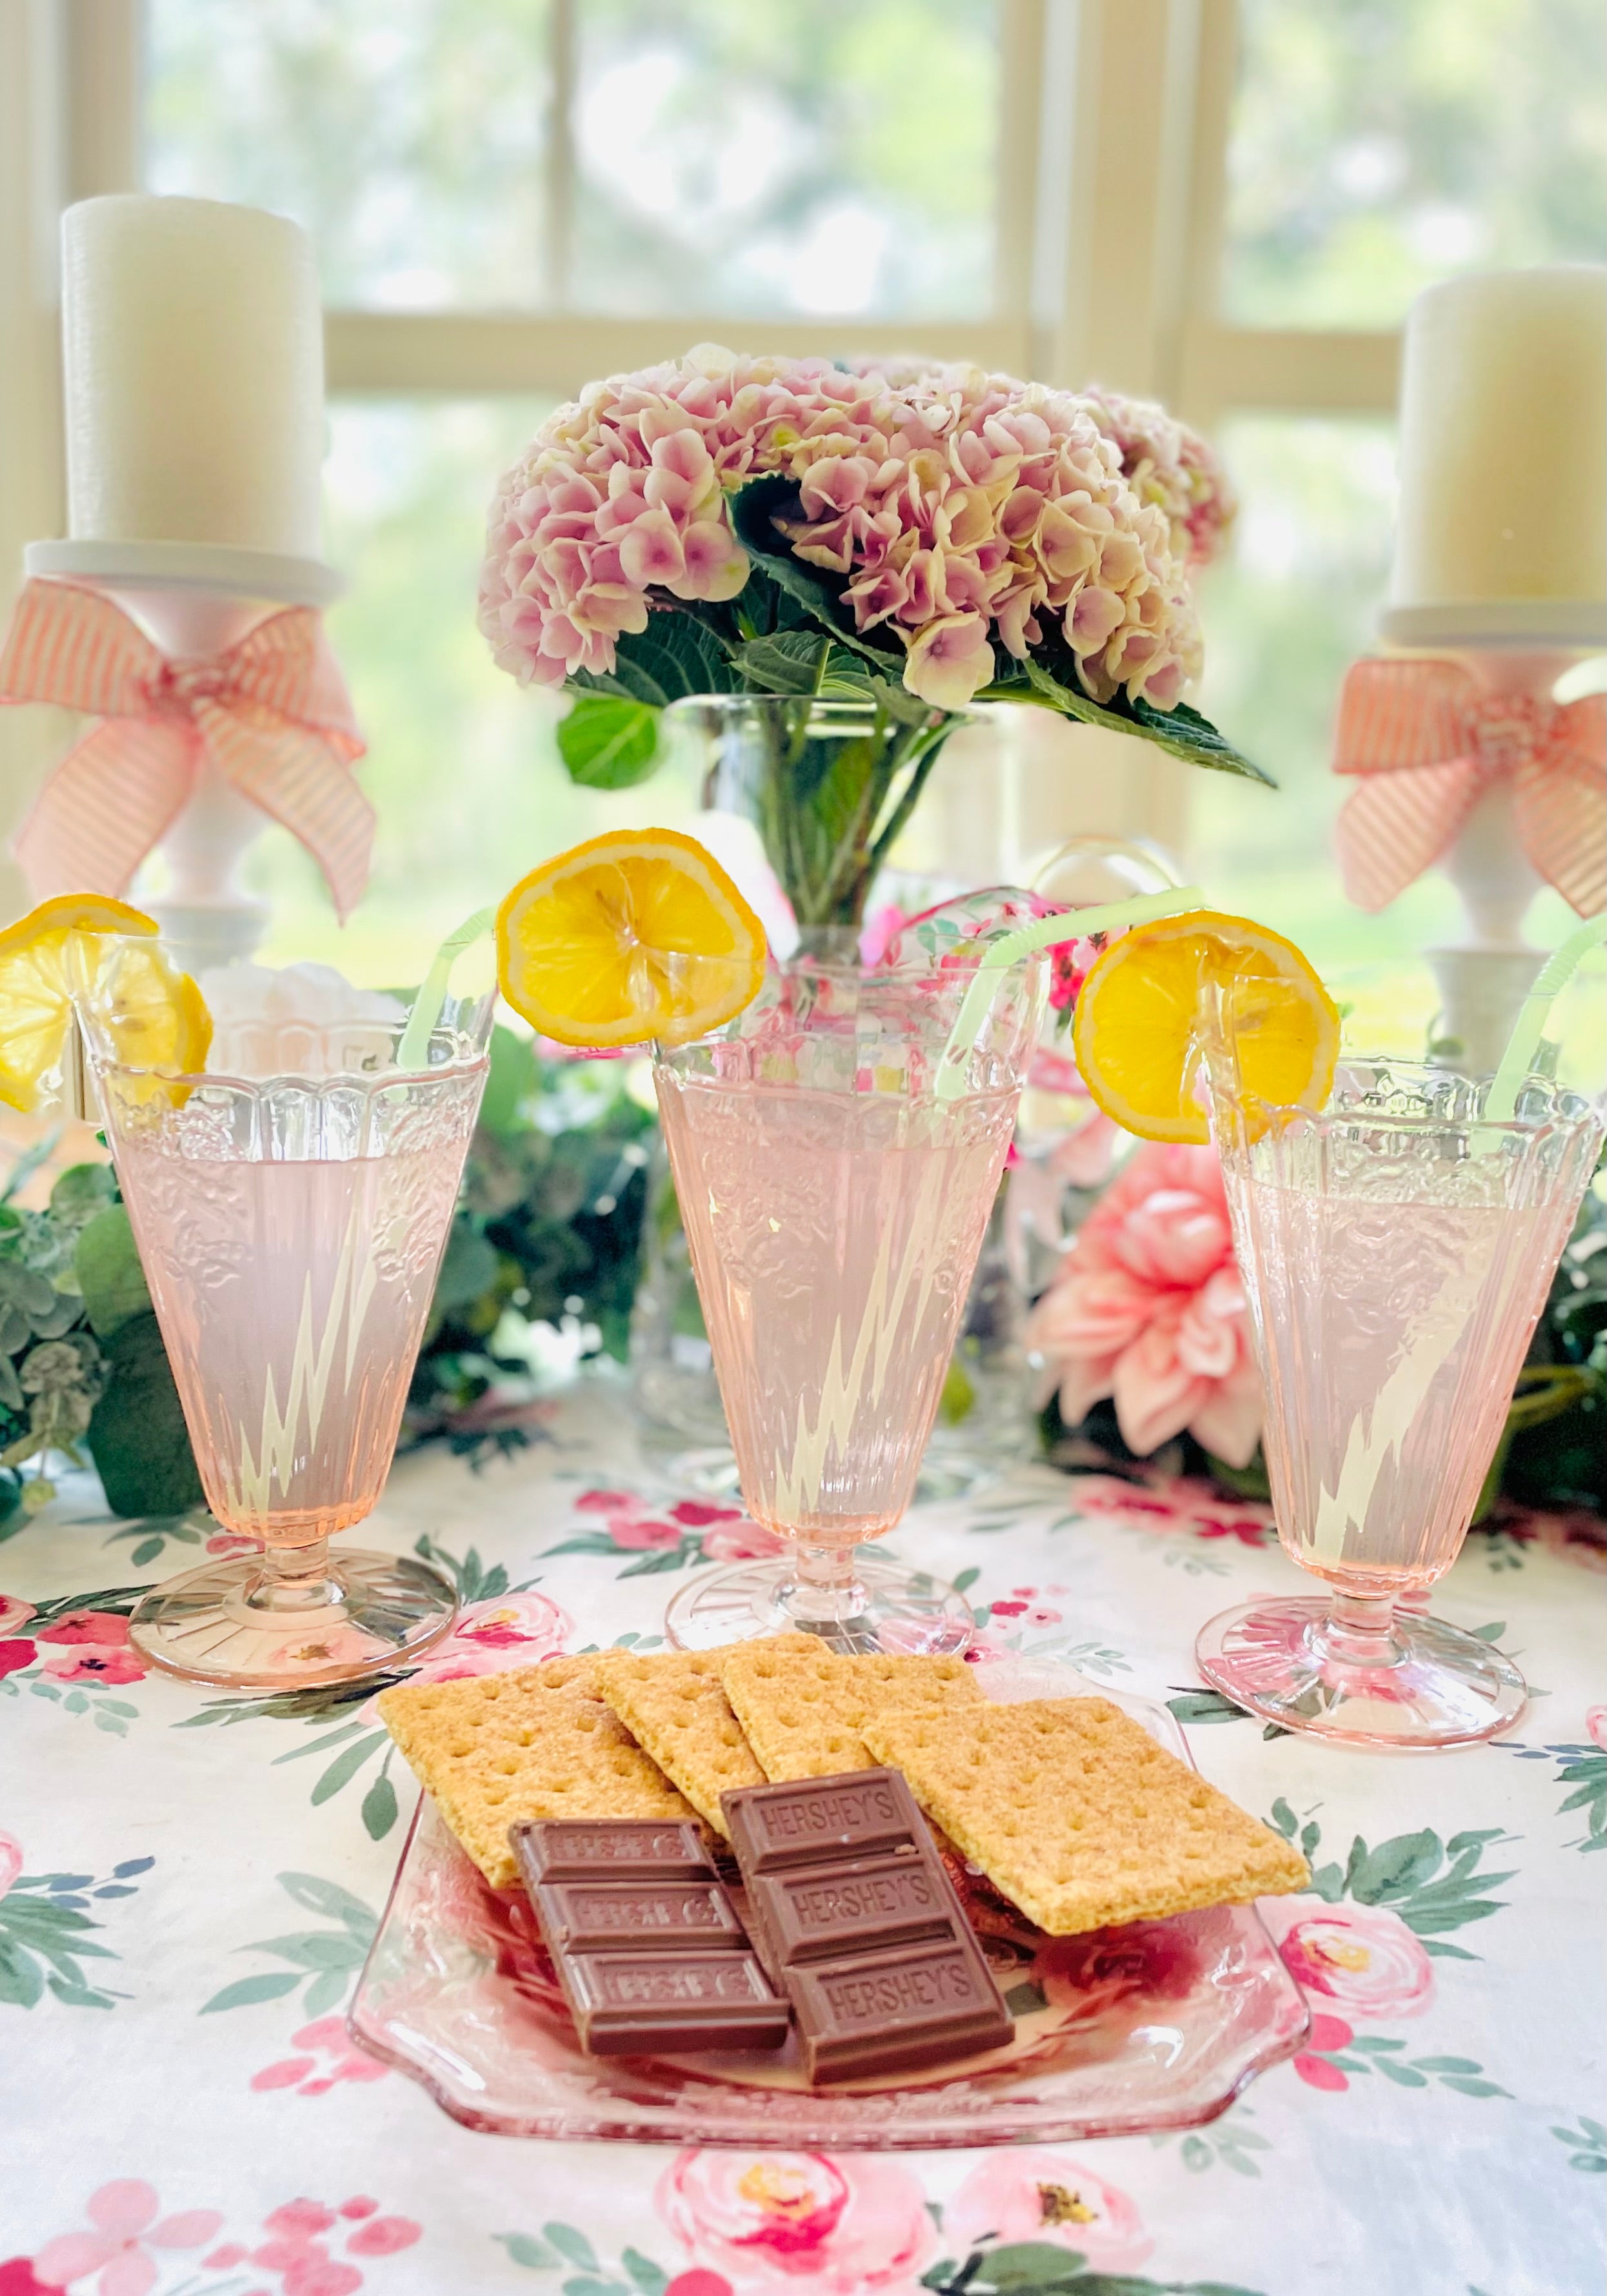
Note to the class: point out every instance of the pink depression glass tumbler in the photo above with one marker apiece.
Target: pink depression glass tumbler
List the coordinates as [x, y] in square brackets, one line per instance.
[1396, 1251]
[291, 1229]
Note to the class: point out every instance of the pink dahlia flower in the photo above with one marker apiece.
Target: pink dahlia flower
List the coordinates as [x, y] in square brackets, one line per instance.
[1148, 1307]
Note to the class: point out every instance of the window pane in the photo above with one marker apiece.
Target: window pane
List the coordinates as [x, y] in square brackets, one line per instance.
[1294, 606]
[806, 155]
[1377, 146]
[461, 765]
[406, 135]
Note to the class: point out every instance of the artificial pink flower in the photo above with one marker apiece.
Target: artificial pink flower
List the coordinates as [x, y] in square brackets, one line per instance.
[90, 1662]
[11, 1861]
[15, 1612]
[1050, 2199]
[847, 2225]
[1362, 1959]
[104, 1627]
[1148, 1308]
[124, 2214]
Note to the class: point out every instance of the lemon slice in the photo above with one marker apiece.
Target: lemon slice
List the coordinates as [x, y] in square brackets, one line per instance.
[45, 958]
[1140, 1013]
[155, 1017]
[638, 934]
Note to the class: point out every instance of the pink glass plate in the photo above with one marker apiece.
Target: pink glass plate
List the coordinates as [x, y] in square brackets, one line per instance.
[1159, 2025]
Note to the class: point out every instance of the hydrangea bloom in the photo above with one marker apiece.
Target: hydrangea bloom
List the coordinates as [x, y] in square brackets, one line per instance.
[971, 519]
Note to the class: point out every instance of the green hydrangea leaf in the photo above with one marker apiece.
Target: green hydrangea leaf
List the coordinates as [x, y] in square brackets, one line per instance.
[137, 1436]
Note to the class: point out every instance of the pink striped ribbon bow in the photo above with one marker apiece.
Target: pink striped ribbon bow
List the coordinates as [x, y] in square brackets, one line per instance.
[271, 714]
[1428, 740]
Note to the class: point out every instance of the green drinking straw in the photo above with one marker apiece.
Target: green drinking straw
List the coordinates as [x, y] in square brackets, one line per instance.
[1502, 1103]
[426, 1005]
[1043, 932]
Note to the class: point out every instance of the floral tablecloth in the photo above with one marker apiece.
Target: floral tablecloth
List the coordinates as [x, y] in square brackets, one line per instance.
[188, 1883]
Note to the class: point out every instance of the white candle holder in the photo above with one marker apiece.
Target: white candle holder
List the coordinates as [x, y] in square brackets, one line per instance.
[1519, 648]
[194, 600]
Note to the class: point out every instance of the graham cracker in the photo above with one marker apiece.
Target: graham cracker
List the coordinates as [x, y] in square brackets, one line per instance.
[1075, 1813]
[536, 1742]
[803, 1705]
[672, 1703]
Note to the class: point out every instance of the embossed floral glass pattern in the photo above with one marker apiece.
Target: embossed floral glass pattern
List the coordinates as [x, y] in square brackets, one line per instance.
[834, 1208]
[291, 1229]
[1396, 1251]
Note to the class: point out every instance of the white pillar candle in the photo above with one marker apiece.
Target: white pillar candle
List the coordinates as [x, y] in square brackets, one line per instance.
[193, 353]
[1503, 439]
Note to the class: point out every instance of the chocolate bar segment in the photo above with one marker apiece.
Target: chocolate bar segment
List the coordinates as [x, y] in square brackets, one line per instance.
[618, 1850]
[857, 1815]
[852, 1912]
[894, 2011]
[645, 1938]
[596, 1917]
[627, 2003]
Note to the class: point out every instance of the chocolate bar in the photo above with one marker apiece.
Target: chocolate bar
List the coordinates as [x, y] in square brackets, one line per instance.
[644, 1937]
[852, 1911]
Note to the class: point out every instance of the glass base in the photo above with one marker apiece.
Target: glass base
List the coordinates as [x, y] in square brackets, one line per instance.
[367, 1613]
[1398, 1682]
[883, 1606]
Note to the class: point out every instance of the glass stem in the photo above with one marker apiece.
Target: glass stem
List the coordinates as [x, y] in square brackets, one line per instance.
[824, 1589]
[294, 1578]
[1359, 1629]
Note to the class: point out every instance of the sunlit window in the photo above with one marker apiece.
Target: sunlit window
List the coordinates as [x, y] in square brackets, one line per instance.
[1377, 146]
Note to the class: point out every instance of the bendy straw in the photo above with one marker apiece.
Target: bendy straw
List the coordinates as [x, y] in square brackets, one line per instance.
[1043, 932]
[1554, 976]
[426, 1005]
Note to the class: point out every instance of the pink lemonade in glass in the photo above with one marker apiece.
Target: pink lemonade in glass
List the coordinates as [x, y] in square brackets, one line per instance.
[834, 1207]
[1396, 1249]
[833, 1237]
[291, 1228]
[293, 1356]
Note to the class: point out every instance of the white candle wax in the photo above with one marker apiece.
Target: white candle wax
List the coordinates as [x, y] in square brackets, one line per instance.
[194, 355]
[1503, 439]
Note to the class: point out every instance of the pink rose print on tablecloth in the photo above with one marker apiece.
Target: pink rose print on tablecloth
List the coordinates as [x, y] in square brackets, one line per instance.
[1148, 1307]
[846, 2225]
[1361, 1959]
[128, 2224]
[326, 2055]
[1046, 2197]
[1595, 1724]
[11, 1861]
[14, 1613]
[490, 1637]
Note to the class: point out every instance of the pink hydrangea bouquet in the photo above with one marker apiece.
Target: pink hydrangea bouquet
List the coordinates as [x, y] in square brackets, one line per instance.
[906, 538]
